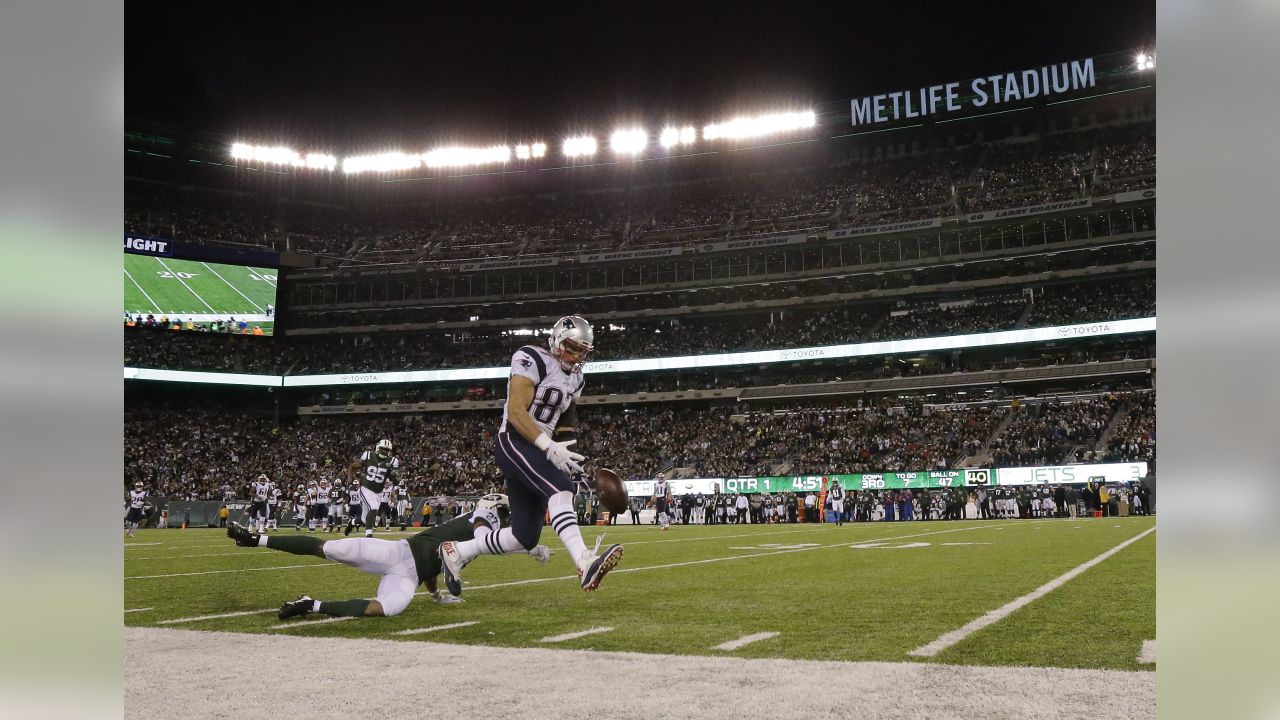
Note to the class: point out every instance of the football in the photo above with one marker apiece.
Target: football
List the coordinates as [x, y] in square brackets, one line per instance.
[613, 494]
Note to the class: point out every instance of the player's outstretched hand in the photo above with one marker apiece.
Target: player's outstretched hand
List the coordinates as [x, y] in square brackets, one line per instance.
[541, 553]
[562, 457]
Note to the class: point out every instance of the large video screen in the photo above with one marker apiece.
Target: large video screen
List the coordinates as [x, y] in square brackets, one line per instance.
[204, 296]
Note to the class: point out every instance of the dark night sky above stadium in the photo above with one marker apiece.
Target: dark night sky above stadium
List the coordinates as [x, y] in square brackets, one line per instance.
[358, 74]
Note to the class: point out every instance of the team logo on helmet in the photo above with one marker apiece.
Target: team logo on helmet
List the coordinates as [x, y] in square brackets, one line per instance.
[572, 340]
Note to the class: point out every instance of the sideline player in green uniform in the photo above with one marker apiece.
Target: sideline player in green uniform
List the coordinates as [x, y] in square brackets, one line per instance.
[403, 564]
[377, 469]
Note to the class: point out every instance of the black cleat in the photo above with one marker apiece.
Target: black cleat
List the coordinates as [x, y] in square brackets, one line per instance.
[241, 535]
[294, 608]
[600, 566]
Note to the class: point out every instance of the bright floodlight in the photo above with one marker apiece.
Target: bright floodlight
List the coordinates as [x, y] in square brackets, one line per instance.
[539, 149]
[629, 142]
[760, 125]
[674, 136]
[280, 155]
[580, 146]
[386, 162]
[318, 161]
[1145, 62]
[464, 156]
[522, 152]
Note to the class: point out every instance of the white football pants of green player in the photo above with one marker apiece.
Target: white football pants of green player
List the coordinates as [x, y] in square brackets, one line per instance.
[391, 559]
[369, 509]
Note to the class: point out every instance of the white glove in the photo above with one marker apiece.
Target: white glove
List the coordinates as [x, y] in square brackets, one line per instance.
[559, 453]
[541, 553]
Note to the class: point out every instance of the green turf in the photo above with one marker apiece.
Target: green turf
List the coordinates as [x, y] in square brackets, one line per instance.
[827, 602]
[164, 286]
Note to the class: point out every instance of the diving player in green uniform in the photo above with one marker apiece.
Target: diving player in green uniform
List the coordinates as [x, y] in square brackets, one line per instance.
[403, 564]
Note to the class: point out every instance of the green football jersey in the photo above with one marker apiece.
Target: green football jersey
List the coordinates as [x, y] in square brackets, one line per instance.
[376, 472]
[425, 545]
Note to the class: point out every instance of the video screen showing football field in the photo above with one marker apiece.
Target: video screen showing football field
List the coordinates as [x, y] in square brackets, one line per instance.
[201, 292]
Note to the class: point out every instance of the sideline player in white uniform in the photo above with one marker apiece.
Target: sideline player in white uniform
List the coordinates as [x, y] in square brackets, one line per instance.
[354, 501]
[259, 494]
[541, 393]
[660, 501]
[273, 507]
[836, 493]
[136, 503]
[403, 505]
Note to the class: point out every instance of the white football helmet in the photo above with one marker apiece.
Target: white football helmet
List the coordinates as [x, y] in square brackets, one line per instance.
[263, 478]
[383, 448]
[572, 340]
[137, 486]
[496, 502]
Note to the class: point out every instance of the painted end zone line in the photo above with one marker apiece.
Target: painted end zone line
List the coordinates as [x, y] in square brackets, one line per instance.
[139, 610]
[218, 616]
[1000, 613]
[435, 628]
[575, 635]
[746, 640]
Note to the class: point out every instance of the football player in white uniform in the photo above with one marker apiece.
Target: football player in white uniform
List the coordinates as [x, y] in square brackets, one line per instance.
[836, 493]
[273, 507]
[259, 494]
[539, 423]
[402, 564]
[660, 499]
[136, 504]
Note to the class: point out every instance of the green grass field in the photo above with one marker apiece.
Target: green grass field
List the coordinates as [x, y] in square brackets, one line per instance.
[685, 591]
[198, 290]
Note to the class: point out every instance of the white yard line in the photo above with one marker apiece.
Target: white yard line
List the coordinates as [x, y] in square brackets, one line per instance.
[134, 545]
[1004, 611]
[185, 285]
[436, 628]
[184, 557]
[237, 570]
[575, 635]
[133, 610]
[218, 616]
[744, 640]
[1148, 654]
[144, 292]
[304, 623]
[233, 287]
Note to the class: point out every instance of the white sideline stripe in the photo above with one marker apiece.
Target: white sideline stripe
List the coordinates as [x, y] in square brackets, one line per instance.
[1148, 654]
[144, 292]
[289, 625]
[233, 287]
[964, 543]
[218, 616]
[723, 537]
[185, 285]
[1004, 611]
[436, 628]
[575, 635]
[139, 610]
[134, 545]
[237, 570]
[744, 640]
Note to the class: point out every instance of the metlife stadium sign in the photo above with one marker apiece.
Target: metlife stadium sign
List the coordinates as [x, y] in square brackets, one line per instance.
[979, 93]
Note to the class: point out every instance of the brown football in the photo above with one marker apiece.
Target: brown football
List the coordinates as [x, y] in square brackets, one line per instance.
[613, 494]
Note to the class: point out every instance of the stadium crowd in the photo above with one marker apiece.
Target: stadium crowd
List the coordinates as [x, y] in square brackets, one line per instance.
[197, 452]
[863, 191]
